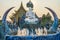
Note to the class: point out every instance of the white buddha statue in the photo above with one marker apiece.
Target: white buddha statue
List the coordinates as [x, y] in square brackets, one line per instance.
[30, 15]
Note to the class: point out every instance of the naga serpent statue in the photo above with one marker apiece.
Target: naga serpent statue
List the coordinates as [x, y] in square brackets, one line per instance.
[55, 23]
[6, 29]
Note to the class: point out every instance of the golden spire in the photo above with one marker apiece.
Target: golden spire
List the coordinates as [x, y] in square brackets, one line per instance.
[29, 0]
[21, 3]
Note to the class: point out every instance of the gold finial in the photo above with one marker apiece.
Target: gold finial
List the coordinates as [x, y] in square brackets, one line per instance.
[30, 0]
[21, 3]
[0, 16]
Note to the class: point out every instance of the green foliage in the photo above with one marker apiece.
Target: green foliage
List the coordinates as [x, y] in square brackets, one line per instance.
[46, 19]
[48, 16]
[0, 22]
[59, 22]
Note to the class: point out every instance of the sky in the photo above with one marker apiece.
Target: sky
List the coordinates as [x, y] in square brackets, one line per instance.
[38, 6]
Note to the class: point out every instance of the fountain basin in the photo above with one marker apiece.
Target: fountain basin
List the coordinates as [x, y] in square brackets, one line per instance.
[47, 37]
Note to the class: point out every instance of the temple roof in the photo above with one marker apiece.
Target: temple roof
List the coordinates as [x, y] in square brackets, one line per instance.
[20, 11]
[21, 7]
